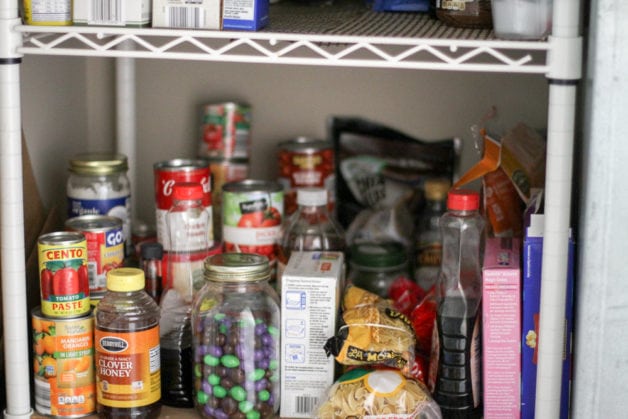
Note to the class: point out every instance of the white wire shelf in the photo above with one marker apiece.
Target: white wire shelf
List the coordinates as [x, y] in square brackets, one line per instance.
[345, 34]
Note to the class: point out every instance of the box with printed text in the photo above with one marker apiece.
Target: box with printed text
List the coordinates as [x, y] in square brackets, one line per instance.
[311, 288]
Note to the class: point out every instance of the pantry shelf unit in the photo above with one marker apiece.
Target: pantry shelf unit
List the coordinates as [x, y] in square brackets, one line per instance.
[352, 37]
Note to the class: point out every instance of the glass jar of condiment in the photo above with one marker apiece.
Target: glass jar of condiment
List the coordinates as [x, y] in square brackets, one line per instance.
[375, 266]
[98, 184]
[236, 323]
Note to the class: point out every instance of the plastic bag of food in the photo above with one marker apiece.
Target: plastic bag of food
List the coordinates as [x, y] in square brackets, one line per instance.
[377, 394]
[372, 333]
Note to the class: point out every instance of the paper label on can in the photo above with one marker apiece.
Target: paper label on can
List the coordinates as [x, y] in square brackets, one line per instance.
[105, 251]
[128, 370]
[115, 207]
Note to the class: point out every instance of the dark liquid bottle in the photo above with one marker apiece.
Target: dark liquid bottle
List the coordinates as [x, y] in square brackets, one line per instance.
[457, 362]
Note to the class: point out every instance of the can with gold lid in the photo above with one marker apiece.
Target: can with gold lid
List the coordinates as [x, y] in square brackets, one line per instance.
[98, 184]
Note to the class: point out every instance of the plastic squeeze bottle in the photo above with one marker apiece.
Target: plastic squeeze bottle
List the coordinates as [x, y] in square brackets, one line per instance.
[456, 365]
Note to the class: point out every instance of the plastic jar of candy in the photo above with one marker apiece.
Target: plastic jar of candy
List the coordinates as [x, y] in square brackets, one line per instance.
[235, 319]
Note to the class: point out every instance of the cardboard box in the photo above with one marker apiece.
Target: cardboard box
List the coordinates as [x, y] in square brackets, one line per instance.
[310, 300]
[532, 259]
[245, 16]
[501, 321]
[201, 14]
[133, 13]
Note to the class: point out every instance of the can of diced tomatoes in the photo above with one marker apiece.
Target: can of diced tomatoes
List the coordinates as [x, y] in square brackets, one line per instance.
[63, 274]
[252, 212]
[306, 162]
[105, 247]
[166, 174]
[63, 365]
[224, 171]
[225, 130]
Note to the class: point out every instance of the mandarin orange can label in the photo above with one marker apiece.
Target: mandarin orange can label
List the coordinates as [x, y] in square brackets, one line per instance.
[63, 365]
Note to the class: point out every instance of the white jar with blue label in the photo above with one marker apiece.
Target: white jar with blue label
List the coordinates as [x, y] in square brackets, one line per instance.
[98, 184]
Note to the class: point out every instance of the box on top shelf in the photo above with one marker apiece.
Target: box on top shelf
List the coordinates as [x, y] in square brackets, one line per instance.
[501, 320]
[200, 14]
[310, 302]
[251, 15]
[133, 13]
[532, 263]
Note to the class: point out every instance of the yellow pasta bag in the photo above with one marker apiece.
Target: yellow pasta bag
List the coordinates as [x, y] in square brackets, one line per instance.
[377, 394]
[372, 333]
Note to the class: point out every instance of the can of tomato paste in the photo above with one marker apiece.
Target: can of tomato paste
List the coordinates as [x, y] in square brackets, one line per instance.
[224, 171]
[225, 130]
[166, 174]
[105, 247]
[63, 365]
[64, 279]
[252, 212]
[306, 162]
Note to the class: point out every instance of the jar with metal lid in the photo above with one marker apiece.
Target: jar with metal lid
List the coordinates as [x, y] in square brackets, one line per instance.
[98, 184]
[375, 266]
[236, 323]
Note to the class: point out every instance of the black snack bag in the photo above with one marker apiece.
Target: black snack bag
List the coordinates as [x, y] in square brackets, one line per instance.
[378, 167]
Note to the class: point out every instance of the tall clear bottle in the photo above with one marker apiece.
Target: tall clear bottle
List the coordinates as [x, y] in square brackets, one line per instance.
[456, 371]
[311, 227]
[188, 226]
[429, 245]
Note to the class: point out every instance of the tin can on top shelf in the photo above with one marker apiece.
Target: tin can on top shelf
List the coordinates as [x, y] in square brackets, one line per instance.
[306, 162]
[105, 247]
[225, 130]
[251, 217]
[63, 365]
[98, 184]
[166, 174]
[64, 279]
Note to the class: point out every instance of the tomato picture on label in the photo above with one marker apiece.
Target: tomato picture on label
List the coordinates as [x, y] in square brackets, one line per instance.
[251, 220]
[46, 283]
[83, 276]
[65, 282]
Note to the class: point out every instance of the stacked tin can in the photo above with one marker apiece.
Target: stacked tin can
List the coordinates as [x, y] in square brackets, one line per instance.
[225, 142]
[63, 328]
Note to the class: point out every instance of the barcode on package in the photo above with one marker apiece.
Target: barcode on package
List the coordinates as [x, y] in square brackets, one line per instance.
[42, 396]
[305, 404]
[106, 12]
[155, 359]
[185, 17]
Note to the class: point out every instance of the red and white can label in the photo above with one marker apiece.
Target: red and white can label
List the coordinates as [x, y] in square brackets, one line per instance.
[167, 174]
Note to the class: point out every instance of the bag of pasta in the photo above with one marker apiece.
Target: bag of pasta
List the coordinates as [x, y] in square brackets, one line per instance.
[372, 333]
[379, 393]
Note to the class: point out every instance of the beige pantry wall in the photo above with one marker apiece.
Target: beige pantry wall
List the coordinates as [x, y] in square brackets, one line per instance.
[69, 106]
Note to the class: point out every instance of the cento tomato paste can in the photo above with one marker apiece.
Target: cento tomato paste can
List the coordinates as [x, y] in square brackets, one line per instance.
[225, 130]
[306, 162]
[105, 247]
[64, 279]
[252, 212]
[224, 171]
[63, 365]
[169, 172]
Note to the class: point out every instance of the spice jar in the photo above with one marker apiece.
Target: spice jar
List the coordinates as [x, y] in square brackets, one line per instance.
[235, 319]
[375, 266]
[98, 184]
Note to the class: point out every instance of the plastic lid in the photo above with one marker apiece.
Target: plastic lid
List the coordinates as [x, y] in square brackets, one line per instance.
[187, 191]
[125, 279]
[98, 163]
[436, 189]
[379, 255]
[237, 267]
[463, 200]
[312, 197]
[152, 250]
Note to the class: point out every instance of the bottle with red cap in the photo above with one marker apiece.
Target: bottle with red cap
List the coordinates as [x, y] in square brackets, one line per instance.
[456, 370]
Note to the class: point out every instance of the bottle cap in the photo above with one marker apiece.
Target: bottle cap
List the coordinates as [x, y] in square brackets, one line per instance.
[237, 267]
[312, 197]
[187, 191]
[436, 189]
[379, 255]
[152, 250]
[463, 200]
[125, 279]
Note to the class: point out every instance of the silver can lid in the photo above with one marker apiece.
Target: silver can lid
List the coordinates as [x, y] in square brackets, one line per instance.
[98, 163]
[252, 185]
[237, 267]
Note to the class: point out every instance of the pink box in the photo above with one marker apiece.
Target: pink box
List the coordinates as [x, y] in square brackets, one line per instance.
[501, 334]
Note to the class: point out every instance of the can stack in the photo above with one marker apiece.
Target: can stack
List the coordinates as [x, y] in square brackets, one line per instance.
[63, 329]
